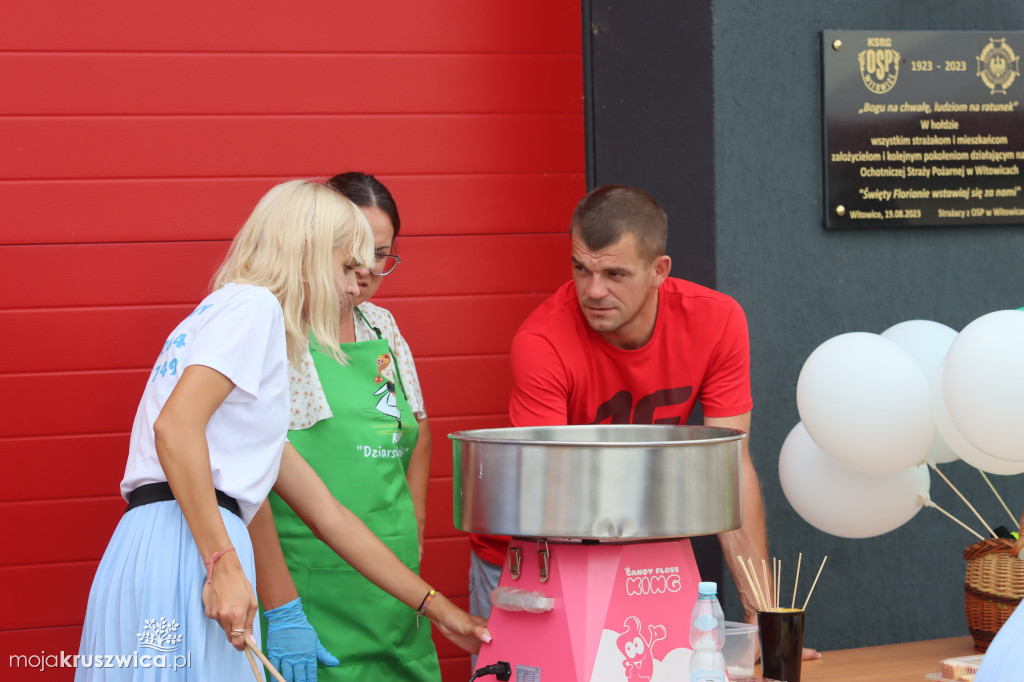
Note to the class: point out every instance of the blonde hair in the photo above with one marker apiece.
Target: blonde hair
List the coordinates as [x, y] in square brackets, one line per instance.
[287, 245]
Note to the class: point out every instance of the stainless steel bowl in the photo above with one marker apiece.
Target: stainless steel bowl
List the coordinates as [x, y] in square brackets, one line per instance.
[603, 482]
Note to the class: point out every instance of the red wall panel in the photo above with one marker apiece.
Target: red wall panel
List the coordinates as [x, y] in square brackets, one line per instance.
[439, 509]
[35, 339]
[188, 209]
[39, 642]
[63, 275]
[79, 275]
[105, 401]
[86, 465]
[499, 314]
[401, 26]
[469, 385]
[57, 521]
[44, 84]
[44, 596]
[294, 145]
[62, 403]
[135, 139]
[441, 460]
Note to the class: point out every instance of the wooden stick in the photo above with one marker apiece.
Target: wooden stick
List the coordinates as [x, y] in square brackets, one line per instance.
[754, 586]
[990, 531]
[792, 604]
[744, 567]
[814, 583]
[930, 503]
[1013, 519]
[775, 589]
[757, 597]
[778, 584]
[252, 662]
[251, 644]
[757, 584]
[767, 585]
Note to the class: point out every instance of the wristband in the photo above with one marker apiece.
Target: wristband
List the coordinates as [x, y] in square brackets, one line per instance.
[213, 561]
[423, 605]
[426, 600]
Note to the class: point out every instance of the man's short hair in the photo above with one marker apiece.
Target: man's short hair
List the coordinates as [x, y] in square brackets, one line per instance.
[607, 213]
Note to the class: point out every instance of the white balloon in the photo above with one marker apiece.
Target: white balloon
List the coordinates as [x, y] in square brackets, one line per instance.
[864, 401]
[967, 452]
[941, 453]
[844, 502]
[984, 380]
[927, 342]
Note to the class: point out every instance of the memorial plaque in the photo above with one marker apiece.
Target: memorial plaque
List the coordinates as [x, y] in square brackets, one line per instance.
[922, 128]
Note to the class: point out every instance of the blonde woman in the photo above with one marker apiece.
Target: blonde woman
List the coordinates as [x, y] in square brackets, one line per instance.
[173, 595]
[363, 428]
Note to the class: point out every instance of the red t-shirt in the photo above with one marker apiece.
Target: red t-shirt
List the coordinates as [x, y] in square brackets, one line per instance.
[563, 372]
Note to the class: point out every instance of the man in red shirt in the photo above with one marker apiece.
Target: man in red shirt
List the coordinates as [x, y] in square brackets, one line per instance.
[625, 343]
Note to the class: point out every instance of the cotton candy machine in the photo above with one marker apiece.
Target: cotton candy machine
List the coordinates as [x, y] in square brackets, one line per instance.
[599, 580]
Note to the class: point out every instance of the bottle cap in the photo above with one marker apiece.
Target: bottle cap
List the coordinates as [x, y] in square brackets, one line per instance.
[707, 589]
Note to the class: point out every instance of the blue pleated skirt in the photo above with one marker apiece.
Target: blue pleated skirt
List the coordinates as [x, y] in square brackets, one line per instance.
[145, 619]
[1003, 661]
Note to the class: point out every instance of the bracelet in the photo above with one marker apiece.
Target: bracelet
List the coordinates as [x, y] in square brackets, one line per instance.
[213, 560]
[426, 600]
[423, 604]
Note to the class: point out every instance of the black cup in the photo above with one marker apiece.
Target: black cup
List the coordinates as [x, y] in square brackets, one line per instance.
[782, 643]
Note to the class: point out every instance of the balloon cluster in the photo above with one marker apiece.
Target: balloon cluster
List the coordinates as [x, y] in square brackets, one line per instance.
[876, 409]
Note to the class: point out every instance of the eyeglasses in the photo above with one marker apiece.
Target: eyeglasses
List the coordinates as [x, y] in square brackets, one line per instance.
[384, 264]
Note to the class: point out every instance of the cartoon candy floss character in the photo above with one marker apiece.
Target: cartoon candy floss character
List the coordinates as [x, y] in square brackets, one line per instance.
[637, 650]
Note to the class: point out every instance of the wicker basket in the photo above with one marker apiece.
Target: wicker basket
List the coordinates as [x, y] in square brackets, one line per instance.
[993, 587]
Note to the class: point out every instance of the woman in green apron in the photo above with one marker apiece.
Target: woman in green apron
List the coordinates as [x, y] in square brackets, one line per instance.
[359, 427]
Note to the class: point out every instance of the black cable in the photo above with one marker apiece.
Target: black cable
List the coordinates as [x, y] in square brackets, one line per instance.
[501, 671]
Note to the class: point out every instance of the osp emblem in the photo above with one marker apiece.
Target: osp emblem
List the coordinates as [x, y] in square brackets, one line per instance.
[879, 68]
[998, 65]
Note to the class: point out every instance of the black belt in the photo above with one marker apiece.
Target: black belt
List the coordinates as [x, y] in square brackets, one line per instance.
[161, 492]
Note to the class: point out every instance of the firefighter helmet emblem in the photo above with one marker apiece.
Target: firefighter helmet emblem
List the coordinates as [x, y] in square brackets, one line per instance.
[998, 66]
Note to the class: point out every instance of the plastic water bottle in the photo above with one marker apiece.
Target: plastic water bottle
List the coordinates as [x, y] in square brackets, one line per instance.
[707, 635]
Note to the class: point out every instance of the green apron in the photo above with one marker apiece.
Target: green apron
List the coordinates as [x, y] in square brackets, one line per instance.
[362, 454]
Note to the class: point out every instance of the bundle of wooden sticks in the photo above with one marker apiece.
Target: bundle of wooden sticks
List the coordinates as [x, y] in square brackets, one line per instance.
[767, 594]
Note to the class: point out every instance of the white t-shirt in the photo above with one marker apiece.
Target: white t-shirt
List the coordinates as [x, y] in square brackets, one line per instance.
[237, 330]
[308, 402]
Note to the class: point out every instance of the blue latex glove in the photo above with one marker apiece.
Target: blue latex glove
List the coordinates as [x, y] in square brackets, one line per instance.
[292, 644]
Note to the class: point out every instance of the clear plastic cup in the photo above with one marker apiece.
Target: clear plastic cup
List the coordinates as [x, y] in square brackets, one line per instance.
[740, 649]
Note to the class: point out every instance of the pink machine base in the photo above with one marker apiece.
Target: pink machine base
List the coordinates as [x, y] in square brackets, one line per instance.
[621, 613]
